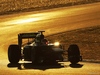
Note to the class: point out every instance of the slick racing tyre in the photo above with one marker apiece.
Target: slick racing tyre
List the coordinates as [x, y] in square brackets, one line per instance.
[14, 53]
[73, 54]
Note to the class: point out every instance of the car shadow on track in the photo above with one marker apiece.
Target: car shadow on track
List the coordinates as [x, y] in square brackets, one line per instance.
[24, 66]
[10, 65]
[76, 65]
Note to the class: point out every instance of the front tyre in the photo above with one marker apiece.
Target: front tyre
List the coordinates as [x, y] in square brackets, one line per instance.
[73, 54]
[14, 54]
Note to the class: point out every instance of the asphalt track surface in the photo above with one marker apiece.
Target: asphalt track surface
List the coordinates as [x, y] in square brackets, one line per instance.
[52, 21]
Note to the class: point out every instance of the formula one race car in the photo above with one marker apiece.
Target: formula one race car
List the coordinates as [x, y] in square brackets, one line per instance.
[39, 50]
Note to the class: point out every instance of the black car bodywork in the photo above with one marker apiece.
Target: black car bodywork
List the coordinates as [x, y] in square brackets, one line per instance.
[39, 50]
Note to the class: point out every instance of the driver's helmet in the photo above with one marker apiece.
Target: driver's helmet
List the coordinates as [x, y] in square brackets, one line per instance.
[39, 36]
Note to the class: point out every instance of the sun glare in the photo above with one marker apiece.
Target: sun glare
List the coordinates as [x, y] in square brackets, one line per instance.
[27, 20]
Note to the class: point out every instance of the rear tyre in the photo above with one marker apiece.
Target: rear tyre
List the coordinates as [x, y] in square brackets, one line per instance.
[73, 54]
[14, 54]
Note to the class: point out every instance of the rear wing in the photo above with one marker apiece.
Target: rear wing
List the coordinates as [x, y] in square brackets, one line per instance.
[25, 36]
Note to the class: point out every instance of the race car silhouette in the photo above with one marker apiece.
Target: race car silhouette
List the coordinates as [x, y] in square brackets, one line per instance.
[39, 50]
